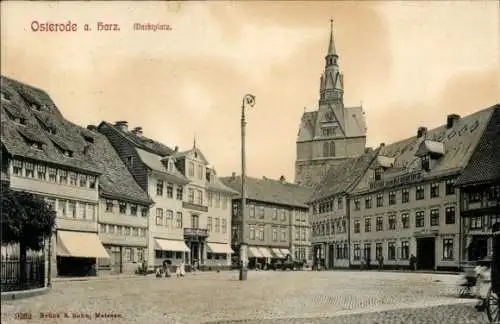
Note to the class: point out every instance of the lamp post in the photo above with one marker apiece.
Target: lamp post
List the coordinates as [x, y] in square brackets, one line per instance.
[249, 100]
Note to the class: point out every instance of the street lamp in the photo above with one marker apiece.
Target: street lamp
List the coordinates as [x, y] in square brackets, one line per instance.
[249, 100]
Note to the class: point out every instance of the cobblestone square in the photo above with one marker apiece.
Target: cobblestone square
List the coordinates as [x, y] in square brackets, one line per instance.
[267, 297]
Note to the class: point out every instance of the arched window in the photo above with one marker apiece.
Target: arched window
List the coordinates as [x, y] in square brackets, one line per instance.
[329, 149]
[332, 148]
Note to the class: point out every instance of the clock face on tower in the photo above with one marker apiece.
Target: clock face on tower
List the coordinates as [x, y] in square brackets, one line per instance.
[329, 116]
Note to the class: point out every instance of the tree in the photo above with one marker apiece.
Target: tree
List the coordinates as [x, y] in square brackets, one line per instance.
[26, 219]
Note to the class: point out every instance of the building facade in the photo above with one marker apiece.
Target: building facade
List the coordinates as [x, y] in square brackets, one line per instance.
[480, 194]
[407, 202]
[331, 212]
[276, 219]
[46, 155]
[180, 184]
[332, 133]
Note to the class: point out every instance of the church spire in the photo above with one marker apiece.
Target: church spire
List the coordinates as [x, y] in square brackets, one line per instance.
[331, 45]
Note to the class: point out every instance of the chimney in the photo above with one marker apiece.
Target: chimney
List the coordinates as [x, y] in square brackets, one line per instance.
[382, 144]
[137, 131]
[451, 120]
[86, 149]
[422, 131]
[91, 128]
[282, 179]
[122, 125]
[233, 176]
[176, 149]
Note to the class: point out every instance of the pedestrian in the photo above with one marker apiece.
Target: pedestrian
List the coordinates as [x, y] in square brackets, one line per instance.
[413, 262]
[182, 269]
[363, 262]
[368, 262]
[380, 261]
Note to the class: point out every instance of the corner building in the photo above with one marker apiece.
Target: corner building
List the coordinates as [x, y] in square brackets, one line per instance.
[407, 202]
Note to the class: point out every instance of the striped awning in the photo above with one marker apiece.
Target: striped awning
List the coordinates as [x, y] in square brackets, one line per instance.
[253, 252]
[79, 245]
[277, 253]
[219, 248]
[285, 252]
[265, 252]
[171, 245]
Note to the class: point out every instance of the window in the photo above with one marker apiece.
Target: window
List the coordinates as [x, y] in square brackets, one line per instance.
[210, 197]
[159, 216]
[224, 226]
[62, 208]
[224, 201]
[419, 219]
[178, 219]
[378, 249]
[282, 215]
[405, 193]
[303, 234]
[405, 250]
[297, 233]
[328, 149]
[63, 176]
[379, 224]
[435, 217]
[476, 222]
[392, 222]
[217, 225]
[340, 203]
[275, 233]
[357, 252]
[126, 230]
[52, 174]
[179, 192]
[450, 186]
[447, 249]
[380, 200]
[252, 232]
[195, 221]
[170, 190]
[41, 171]
[275, 213]
[191, 195]
[425, 163]
[405, 220]
[368, 224]
[283, 234]
[17, 167]
[209, 224]
[251, 211]
[368, 202]
[200, 172]
[119, 230]
[129, 254]
[378, 174]
[72, 209]
[91, 211]
[494, 193]
[92, 182]
[367, 250]
[494, 219]
[357, 204]
[328, 131]
[420, 192]
[29, 169]
[450, 215]
[103, 228]
[434, 190]
[144, 211]
[159, 188]
[356, 226]
[392, 198]
[191, 169]
[133, 210]
[51, 202]
[140, 255]
[391, 251]
[111, 228]
[169, 218]
[83, 210]
[199, 197]
[73, 178]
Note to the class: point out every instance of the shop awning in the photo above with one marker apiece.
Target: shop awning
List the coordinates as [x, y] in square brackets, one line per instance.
[171, 245]
[219, 248]
[265, 252]
[80, 245]
[253, 252]
[285, 252]
[278, 253]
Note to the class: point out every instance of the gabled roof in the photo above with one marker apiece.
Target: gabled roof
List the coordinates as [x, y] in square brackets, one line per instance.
[484, 165]
[430, 147]
[155, 162]
[194, 152]
[218, 185]
[341, 179]
[459, 142]
[24, 100]
[271, 191]
[94, 155]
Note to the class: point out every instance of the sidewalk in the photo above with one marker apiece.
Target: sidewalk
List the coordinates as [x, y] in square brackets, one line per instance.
[99, 277]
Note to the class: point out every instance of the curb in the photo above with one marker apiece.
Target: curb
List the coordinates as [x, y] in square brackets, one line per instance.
[20, 294]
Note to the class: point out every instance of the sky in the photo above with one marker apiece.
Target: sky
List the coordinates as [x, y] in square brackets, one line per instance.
[410, 64]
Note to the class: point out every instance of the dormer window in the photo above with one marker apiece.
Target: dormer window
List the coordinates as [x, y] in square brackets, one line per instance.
[5, 96]
[426, 164]
[45, 126]
[36, 107]
[88, 139]
[170, 166]
[20, 121]
[378, 174]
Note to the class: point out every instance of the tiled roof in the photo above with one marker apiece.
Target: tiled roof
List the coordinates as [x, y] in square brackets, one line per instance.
[459, 142]
[271, 191]
[142, 142]
[97, 157]
[14, 135]
[341, 179]
[218, 185]
[484, 165]
[154, 162]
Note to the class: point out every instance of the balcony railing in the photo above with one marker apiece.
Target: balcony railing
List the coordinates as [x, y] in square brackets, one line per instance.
[194, 206]
[203, 232]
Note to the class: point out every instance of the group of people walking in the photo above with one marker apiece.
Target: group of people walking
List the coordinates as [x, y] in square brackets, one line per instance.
[180, 270]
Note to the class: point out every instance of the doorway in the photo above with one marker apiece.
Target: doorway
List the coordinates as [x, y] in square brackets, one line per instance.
[478, 248]
[331, 255]
[426, 253]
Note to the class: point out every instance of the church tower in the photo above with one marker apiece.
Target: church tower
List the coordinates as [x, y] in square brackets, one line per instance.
[333, 133]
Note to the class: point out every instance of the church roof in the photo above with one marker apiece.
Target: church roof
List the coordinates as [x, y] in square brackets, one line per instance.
[271, 191]
[459, 141]
[484, 165]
